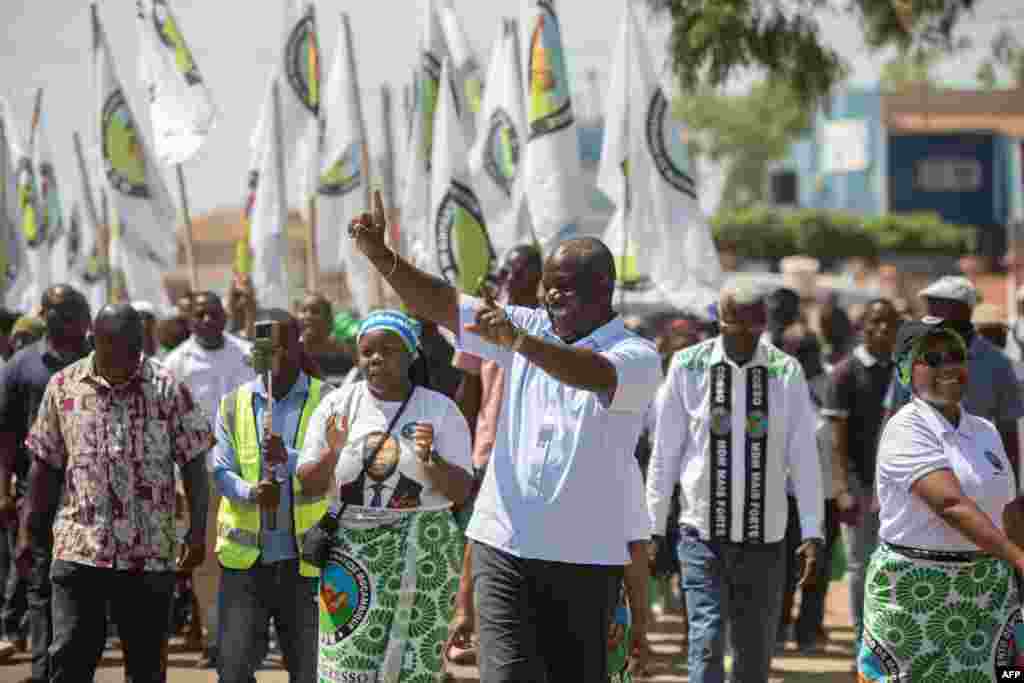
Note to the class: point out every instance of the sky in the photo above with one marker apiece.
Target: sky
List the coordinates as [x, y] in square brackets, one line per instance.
[235, 43]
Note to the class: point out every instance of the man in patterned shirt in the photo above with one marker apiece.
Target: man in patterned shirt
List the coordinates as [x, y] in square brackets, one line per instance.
[109, 431]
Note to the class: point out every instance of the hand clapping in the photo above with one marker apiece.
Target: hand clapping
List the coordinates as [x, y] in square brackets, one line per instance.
[337, 432]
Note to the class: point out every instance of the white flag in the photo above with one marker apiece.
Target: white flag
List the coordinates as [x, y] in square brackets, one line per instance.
[268, 234]
[181, 107]
[461, 248]
[467, 71]
[14, 276]
[298, 73]
[90, 265]
[552, 172]
[138, 197]
[344, 178]
[659, 235]
[496, 159]
[416, 219]
[31, 227]
[134, 275]
[50, 215]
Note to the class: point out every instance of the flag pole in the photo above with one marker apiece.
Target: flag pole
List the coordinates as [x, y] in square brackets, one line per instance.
[190, 248]
[364, 147]
[312, 257]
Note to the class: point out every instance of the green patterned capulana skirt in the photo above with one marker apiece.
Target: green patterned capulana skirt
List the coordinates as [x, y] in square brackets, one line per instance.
[387, 596]
[942, 617]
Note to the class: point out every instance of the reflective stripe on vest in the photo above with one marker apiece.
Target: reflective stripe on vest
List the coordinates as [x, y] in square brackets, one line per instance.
[238, 523]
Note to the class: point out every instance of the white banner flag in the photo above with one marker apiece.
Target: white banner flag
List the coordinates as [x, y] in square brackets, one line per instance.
[298, 73]
[14, 276]
[461, 250]
[466, 68]
[344, 178]
[660, 237]
[268, 230]
[496, 158]
[416, 219]
[139, 199]
[552, 172]
[181, 107]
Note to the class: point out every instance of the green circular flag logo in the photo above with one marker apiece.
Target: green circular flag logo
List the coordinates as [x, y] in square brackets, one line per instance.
[302, 63]
[464, 250]
[667, 139]
[124, 160]
[345, 592]
[345, 175]
[549, 106]
[502, 152]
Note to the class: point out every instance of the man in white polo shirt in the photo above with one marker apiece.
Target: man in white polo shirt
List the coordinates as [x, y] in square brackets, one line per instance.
[549, 522]
[734, 417]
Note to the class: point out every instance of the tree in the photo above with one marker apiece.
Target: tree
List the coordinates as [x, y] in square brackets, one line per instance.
[911, 68]
[713, 38]
[746, 133]
[1007, 59]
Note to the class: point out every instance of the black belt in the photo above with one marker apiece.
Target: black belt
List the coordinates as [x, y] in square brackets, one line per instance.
[936, 555]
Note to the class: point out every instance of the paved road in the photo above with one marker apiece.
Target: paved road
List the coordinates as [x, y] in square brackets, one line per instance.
[830, 666]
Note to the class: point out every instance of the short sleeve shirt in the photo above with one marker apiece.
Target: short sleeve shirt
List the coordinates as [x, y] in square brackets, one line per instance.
[117, 447]
[917, 441]
[561, 452]
[22, 385]
[855, 392]
[398, 481]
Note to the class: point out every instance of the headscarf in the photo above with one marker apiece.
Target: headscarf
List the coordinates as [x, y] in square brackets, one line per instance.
[910, 342]
[345, 327]
[407, 329]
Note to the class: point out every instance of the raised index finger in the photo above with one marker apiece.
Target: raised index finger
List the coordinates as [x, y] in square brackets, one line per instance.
[378, 209]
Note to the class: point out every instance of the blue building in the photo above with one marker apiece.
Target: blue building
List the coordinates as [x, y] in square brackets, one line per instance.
[957, 153]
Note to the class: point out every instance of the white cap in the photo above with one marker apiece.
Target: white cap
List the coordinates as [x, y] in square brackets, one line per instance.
[144, 308]
[953, 288]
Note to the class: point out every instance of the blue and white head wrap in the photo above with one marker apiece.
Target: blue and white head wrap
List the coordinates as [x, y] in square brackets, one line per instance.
[405, 327]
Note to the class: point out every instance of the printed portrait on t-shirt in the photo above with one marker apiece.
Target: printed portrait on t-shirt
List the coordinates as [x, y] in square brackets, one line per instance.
[382, 472]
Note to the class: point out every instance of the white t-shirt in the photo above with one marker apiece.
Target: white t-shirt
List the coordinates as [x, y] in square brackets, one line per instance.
[399, 478]
[638, 522]
[917, 441]
[210, 375]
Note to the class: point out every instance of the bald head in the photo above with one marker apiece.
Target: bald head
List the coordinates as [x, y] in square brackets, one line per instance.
[119, 342]
[591, 257]
[121, 321]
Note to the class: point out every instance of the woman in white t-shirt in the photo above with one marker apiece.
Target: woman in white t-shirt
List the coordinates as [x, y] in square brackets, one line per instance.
[394, 457]
[941, 600]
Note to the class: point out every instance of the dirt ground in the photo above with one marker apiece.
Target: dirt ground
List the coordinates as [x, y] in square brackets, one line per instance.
[829, 666]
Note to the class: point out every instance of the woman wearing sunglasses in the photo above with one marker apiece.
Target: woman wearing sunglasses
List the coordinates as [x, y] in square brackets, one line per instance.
[941, 601]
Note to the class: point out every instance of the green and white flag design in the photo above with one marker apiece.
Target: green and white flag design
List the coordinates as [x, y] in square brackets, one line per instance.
[387, 596]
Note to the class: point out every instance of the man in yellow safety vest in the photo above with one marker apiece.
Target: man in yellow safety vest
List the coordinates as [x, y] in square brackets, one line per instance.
[261, 523]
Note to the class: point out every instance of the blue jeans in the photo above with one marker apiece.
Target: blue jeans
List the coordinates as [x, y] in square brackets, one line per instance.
[738, 582]
[249, 598]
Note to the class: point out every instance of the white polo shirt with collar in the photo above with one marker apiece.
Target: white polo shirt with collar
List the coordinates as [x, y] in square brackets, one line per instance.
[919, 440]
[729, 435]
[555, 488]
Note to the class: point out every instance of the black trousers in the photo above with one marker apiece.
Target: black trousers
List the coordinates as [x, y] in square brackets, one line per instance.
[139, 602]
[541, 621]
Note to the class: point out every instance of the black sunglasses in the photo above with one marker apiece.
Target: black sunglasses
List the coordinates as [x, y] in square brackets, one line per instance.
[936, 359]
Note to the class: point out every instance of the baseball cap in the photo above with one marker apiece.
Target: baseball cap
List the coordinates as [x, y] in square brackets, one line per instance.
[910, 333]
[953, 288]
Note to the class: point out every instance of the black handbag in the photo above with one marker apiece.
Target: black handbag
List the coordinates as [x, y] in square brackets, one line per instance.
[318, 541]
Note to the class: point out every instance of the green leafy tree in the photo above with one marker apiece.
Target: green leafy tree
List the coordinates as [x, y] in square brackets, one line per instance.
[713, 38]
[1006, 60]
[911, 69]
[746, 133]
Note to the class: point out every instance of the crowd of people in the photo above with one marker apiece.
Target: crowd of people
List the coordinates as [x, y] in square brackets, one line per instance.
[521, 478]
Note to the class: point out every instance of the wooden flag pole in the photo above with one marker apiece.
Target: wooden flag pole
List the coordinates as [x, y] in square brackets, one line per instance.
[312, 256]
[108, 241]
[190, 248]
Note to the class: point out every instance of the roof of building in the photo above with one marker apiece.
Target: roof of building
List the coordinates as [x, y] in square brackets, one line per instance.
[926, 110]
